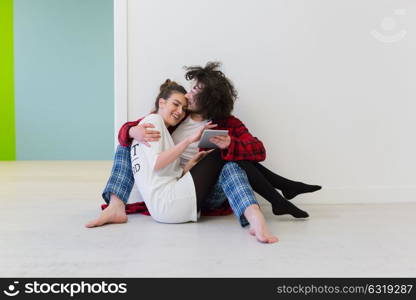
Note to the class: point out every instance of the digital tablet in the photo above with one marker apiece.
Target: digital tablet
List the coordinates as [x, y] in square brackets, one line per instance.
[207, 135]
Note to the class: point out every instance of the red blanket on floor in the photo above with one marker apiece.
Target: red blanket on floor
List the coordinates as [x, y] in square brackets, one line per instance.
[140, 207]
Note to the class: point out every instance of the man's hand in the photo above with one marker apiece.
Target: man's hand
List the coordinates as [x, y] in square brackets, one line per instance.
[143, 134]
[223, 142]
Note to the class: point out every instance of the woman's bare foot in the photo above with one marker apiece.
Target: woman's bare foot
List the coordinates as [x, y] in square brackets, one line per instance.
[258, 227]
[114, 213]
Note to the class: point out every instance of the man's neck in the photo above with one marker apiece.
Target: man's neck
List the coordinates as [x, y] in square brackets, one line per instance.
[197, 117]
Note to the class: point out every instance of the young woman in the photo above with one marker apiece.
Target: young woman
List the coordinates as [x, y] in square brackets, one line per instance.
[173, 194]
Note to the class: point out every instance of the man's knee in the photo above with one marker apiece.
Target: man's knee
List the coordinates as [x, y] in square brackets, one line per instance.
[231, 169]
[231, 166]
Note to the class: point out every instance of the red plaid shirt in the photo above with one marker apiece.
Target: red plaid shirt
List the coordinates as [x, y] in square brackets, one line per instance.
[243, 145]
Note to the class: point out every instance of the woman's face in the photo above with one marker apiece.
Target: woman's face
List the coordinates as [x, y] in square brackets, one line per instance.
[173, 109]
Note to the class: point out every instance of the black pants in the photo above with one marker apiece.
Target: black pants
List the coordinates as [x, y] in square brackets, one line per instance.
[205, 175]
[265, 182]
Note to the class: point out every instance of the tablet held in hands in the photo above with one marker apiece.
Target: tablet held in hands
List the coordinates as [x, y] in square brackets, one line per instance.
[207, 135]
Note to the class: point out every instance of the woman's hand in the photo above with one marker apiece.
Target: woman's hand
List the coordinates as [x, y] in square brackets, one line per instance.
[143, 135]
[197, 135]
[200, 155]
[196, 159]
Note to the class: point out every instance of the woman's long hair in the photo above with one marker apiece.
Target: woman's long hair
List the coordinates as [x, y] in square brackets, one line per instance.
[166, 90]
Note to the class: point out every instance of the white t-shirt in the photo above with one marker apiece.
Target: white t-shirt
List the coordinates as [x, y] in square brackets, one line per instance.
[169, 198]
[185, 129]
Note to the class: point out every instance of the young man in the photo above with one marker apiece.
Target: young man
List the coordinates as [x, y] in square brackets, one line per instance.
[211, 97]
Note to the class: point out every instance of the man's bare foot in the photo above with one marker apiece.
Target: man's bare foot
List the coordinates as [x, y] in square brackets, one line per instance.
[263, 235]
[115, 213]
[258, 227]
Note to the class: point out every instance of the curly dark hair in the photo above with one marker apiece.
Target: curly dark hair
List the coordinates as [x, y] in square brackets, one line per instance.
[216, 99]
[166, 90]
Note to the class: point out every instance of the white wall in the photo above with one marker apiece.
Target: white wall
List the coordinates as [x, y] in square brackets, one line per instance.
[321, 82]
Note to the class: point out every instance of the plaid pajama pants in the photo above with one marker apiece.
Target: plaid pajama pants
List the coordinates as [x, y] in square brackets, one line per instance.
[232, 185]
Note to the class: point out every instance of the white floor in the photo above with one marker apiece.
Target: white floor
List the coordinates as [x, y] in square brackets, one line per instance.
[44, 206]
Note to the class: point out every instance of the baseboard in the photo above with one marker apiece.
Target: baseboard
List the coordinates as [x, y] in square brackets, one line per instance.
[350, 195]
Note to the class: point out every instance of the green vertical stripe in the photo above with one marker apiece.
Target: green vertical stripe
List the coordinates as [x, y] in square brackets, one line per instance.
[7, 126]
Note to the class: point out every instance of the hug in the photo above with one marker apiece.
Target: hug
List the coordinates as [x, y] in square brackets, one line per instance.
[159, 154]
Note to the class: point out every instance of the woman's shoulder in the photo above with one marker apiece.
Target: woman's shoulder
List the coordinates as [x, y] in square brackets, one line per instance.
[152, 118]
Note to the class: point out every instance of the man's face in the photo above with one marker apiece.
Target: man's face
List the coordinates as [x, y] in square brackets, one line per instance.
[195, 89]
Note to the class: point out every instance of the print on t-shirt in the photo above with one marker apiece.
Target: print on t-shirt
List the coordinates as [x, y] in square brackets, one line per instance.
[136, 165]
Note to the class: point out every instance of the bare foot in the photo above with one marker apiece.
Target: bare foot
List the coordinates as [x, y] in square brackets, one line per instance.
[263, 235]
[115, 213]
[258, 226]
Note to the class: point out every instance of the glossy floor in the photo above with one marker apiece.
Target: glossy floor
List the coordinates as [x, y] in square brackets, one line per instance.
[44, 206]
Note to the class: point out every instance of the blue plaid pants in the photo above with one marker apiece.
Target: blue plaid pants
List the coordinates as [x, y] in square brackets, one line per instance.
[232, 184]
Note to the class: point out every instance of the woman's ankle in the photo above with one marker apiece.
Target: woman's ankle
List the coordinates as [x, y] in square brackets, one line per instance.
[116, 201]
